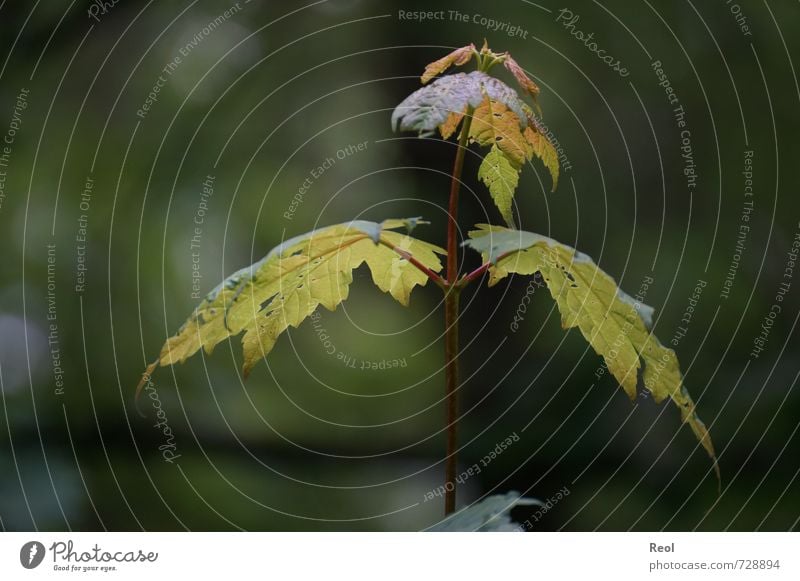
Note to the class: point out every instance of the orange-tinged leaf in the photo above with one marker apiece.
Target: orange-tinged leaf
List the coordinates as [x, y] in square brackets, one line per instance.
[615, 325]
[286, 287]
[450, 125]
[427, 108]
[541, 147]
[501, 176]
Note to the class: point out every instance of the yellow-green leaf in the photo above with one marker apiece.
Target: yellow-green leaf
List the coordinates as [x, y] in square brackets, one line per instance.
[287, 285]
[524, 80]
[500, 175]
[458, 57]
[494, 124]
[613, 323]
[541, 147]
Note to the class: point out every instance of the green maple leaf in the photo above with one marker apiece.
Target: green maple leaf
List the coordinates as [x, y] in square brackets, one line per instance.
[495, 124]
[500, 175]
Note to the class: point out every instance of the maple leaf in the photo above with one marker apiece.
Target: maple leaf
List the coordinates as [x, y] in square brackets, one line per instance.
[542, 148]
[614, 324]
[458, 57]
[496, 126]
[450, 124]
[289, 283]
[523, 79]
[500, 120]
[492, 514]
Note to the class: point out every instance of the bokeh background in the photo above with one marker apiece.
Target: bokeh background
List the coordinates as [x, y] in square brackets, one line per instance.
[311, 441]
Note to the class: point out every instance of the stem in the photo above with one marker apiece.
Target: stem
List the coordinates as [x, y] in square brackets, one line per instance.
[452, 292]
[478, 272]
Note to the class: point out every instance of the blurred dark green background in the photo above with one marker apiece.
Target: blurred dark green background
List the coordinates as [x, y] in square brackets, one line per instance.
[260, 99]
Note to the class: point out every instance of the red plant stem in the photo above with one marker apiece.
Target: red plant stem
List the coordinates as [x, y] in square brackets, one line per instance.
[451, 313]
[468, 278]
